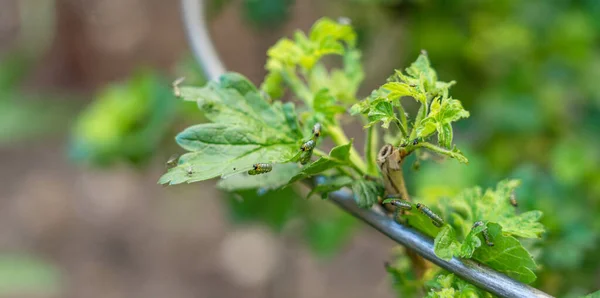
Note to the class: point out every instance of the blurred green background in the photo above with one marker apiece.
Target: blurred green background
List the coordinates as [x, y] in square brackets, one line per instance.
[87, 120]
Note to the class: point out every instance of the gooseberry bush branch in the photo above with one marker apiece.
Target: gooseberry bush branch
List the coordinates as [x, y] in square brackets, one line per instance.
[254, 140]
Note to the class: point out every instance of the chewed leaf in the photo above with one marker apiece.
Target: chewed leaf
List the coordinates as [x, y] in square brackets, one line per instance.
[246, 129]
[507, 255]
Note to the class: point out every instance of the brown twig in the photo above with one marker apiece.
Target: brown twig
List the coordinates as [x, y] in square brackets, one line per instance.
[390, 161]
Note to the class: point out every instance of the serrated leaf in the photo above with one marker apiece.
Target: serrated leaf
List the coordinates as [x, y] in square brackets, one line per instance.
[366, 192]
[278, 177]
[445, 245]
[329, 185]
[246, 129]
[524, 225]
[493, 205]
[383, 112]
[401, 89]
[507, 255]
[338, 156]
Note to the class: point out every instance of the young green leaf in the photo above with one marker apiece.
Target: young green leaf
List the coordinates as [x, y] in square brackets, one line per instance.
[471, 242]
[245, 130]
[383, 112]
[326, 37]
[445, 245]
[329, 185]
[443, 112]
[366, 192]
[338, 156]
[507, 255]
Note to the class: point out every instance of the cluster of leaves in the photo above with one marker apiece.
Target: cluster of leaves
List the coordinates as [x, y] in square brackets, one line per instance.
[459, 237]
[248, 125]
[436, 113]
[525, 71]
[502, 223]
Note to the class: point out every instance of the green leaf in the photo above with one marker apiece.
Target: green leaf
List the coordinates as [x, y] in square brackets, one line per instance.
[325, 103]
[366, 192]
[341, 83]
[422, 223]
[383, 112]
[325, 30]
[273, 85]
[400, 89]
[445, 245]
[493, 205]
[278, 177]
[445, 135]
[426, 127]
[326, 37]
[524, 225]
[338, 156]
[245, 130]
[329, 185]
[471, 242]
[507, 255]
